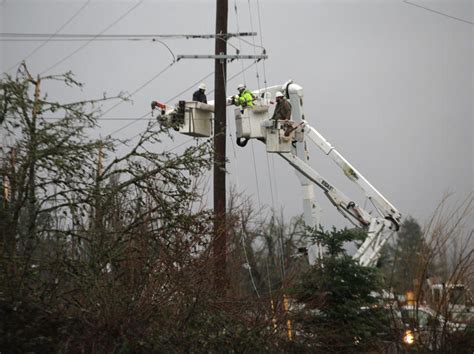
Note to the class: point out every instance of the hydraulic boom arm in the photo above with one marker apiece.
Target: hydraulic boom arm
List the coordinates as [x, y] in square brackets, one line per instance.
[288, 139]
[379, 228]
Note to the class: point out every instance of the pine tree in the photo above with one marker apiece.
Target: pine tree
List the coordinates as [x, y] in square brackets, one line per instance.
[402, 258]
[337, 294]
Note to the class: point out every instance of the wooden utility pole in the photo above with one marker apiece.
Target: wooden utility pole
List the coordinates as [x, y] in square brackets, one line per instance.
[220, 78]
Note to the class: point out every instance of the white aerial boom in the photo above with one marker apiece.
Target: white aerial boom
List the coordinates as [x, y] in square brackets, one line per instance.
[288, 139]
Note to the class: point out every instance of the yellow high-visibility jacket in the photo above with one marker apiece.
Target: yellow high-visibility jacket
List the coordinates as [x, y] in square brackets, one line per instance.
[245, 99]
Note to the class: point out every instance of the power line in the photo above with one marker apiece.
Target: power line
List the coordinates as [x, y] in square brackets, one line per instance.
[237, 74]
[52, 35]
[149, 113]
[240, 43]
[39, 39]
[257, 183]
[129, 124]
[190, 87]
[438, 12]
[261, 44]
[94, 37]
[14, 35]
[254, 49]
[98, 119]
[253, 44]
[141, 87]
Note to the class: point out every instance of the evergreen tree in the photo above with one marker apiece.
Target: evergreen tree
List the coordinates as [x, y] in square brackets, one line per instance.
[401, 259]
[339, 310]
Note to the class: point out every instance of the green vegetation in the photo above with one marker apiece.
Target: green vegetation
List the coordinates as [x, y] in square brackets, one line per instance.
[106, 252]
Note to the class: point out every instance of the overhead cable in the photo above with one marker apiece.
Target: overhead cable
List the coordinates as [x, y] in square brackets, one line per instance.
[149, 113]
[94, 37]
[237, 74]
[19, 35]
[254, 49]
[146, 83]
[134, 92]
[261, 43]
[240, 44]
[169, 100]
[190, 87]
[166, 102]
[438, 12]
[50, 37]
[129, 124]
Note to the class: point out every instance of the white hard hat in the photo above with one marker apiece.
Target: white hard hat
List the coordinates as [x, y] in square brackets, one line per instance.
[202, 86]
[240, 87]
[278, 94]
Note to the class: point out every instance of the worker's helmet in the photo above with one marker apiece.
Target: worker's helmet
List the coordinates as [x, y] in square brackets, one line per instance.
[202, 86]
[241, 87]
[278, 94]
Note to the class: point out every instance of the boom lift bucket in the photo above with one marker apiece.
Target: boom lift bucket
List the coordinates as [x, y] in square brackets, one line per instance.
[278, 135]
[248, 122]
[190, 118]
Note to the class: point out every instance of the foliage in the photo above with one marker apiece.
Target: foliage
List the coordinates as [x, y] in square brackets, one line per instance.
[104, 252]
[337, 296]
[401, 258]
[263, 248]
[112, 252]
[93, 244]
[434, 263]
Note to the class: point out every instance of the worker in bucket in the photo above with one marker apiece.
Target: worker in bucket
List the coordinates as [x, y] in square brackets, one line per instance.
[282, 109]
[200, 95]
[244, 98]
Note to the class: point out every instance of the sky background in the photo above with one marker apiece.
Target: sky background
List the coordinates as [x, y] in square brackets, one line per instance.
[387, 82]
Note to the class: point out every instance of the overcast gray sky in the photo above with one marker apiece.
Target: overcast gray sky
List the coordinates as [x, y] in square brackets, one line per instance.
[387, 82]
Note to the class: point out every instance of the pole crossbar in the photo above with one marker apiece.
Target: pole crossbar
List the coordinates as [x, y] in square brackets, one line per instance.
[220, 56]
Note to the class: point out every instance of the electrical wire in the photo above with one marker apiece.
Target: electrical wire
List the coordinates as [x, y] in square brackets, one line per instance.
[240, 42]
[257, 183]
[141, 87]
[282, 255]
[19, 35]
[261, 44]
[245, 83]
[273, 164]
[277, 199]
[264, 70]
[236, 74]
[253, 44]
[149, 113]
[249, 267]
[129, 124]
[74, 39]
[190, 87]
[229, 126]
[68, 21]
[271, 185]
[254, 49]
[94, 37]
[438, 12]
[98, 119]
[242, 237]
